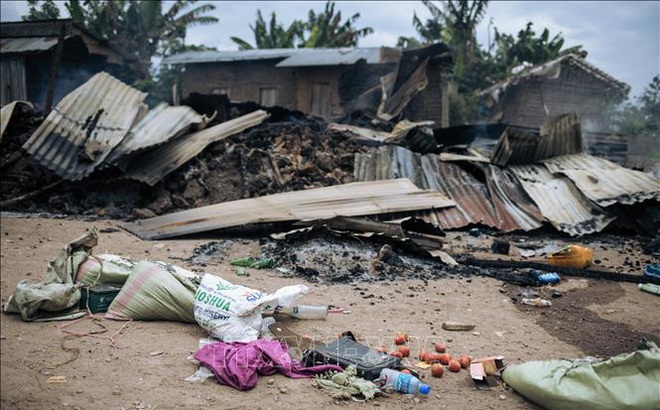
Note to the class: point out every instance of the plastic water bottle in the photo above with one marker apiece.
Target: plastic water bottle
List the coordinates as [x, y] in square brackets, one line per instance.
[307, 312]
[546, 278]
[403, 383]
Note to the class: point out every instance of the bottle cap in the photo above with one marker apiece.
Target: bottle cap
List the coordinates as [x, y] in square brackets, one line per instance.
[424, 388]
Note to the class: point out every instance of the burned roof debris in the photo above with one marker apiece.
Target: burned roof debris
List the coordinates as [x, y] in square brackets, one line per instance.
[257, 164]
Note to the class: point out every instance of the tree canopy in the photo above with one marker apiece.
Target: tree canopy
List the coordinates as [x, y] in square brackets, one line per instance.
[321, 30]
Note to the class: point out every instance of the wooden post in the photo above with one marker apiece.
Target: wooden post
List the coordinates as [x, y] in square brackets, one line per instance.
[54, 68]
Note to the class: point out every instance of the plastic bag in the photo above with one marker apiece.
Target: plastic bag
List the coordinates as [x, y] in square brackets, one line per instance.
[232, 313]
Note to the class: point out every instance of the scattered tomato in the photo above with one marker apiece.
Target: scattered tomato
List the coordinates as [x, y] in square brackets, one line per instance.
[464, 361]
[397, 354]
[454, 366]
[440, 348]
[404, 350]
[400, 339]
[437, 370]
[423, 355]
[406, 371]
[444, 358]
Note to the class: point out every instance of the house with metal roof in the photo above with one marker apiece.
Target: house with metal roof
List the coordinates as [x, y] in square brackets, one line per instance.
[42, 61]
[327, 82]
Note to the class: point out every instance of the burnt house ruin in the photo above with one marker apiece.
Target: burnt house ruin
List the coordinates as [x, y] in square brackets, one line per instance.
[42, 61]
[565, 85]
[328, 82]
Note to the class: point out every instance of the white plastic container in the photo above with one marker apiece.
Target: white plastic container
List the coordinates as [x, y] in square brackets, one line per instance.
[403, 383]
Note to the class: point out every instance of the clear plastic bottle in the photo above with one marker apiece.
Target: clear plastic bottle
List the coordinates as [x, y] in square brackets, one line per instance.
[403, 383]
[307, 312]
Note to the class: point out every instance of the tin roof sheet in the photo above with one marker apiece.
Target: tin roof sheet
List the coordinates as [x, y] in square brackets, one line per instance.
[292, 57]
[161, 124]
[86, 125]
[355, 199]
[561, 135]
[212, 56]
[605, 182]
[24, 44]
[474, 199]
[334, 56]
[561, 202]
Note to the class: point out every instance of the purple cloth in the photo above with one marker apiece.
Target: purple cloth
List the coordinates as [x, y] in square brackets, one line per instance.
[237, 364]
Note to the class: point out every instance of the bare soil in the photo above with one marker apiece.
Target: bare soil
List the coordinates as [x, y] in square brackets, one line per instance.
[415, 295]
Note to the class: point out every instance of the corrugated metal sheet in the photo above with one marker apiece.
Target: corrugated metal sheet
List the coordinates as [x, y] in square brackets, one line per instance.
[561, 202]
[605, 182]
[293, 57]
[160, 125]
[560, 136]
[85, 126]
[213, 56]
[335, 56]
[514, 208]
[25, 44]
[156, 164]
[472, 202]
[393, 104]
[356, 199]
[471, 196]
[12, 79]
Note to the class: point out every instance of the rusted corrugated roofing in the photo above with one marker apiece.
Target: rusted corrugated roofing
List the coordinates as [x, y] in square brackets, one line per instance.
[474, 203]
[156, 164]
[161, 124]
[560, 201]
[560, 136]
[605, 182]
[356, 199]
[513, 207]
[85, 126]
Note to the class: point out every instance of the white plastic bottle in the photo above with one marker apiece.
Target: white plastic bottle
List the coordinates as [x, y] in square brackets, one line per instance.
[307, 312]
[403, 383]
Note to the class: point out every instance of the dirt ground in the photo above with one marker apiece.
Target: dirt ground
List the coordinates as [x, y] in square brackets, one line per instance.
[147, 370]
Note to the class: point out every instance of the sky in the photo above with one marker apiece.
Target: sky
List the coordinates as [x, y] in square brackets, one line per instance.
[621, 37]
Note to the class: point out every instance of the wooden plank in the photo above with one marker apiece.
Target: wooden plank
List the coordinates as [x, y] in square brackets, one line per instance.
[355, 199]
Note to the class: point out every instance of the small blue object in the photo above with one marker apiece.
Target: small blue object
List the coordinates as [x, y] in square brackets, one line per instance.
[652, 271]
[424, 388]
[546, 278]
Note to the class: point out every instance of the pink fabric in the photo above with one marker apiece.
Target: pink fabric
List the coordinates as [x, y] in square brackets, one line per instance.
[238, 364]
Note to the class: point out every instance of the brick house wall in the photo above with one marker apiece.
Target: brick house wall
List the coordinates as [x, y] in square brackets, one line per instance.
[243, 81]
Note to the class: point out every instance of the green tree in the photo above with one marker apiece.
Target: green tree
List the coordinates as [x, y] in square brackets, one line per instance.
[44, 10]
[141, 28]
[641, 117]
[527, 47]
[322, 30]
[326, 30]
[271, 35]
